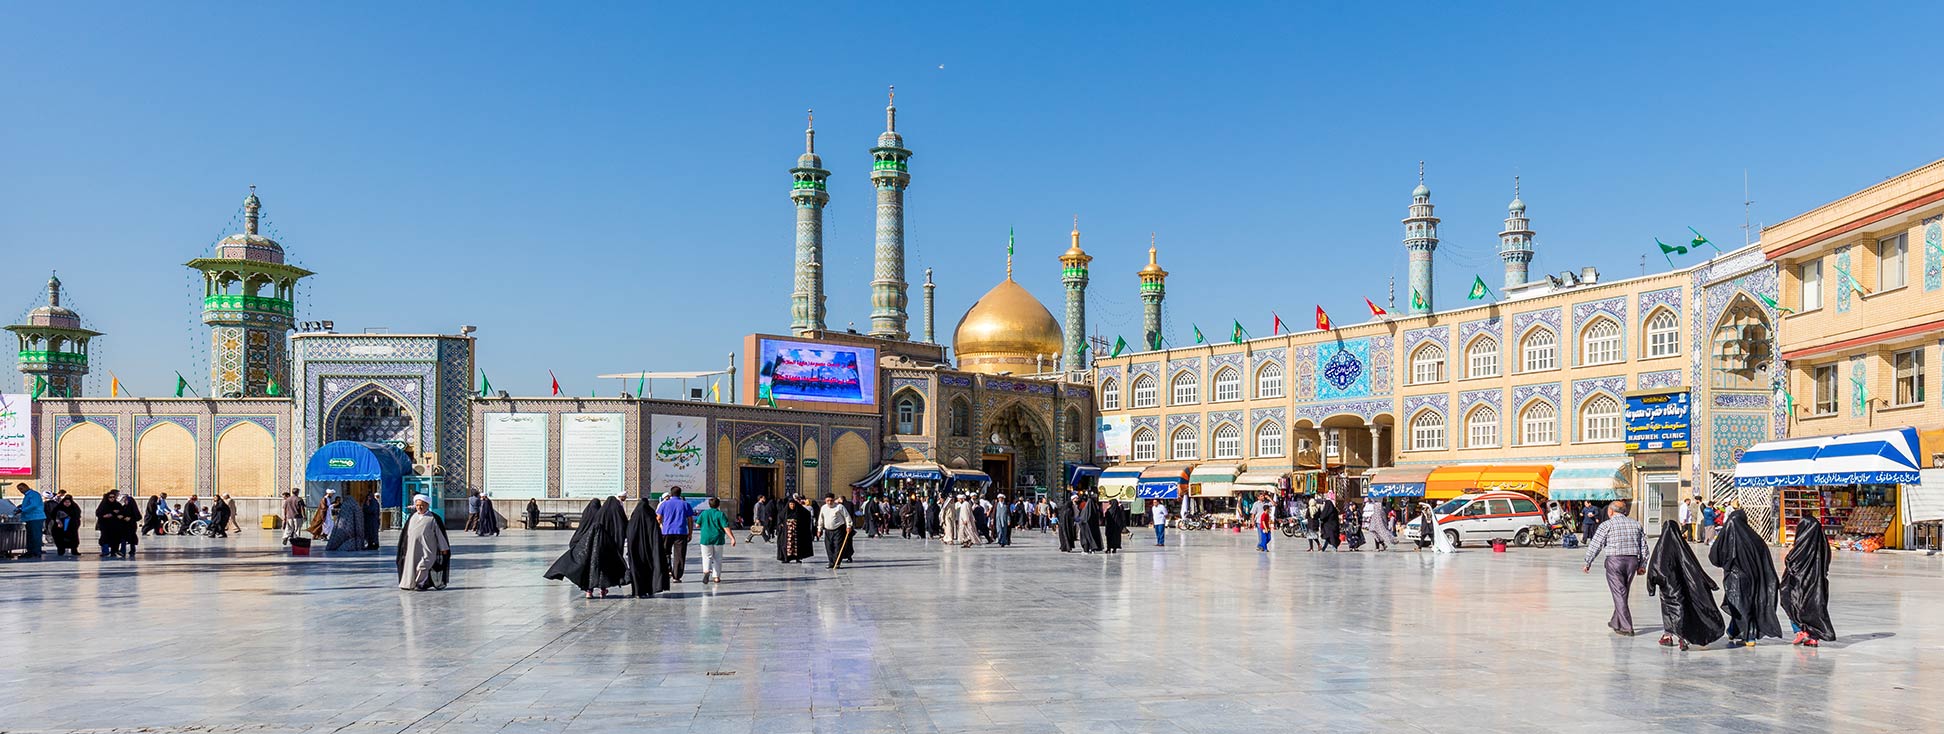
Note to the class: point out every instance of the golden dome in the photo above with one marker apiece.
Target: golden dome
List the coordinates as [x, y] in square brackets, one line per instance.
[1008, 330]
[1153, 268]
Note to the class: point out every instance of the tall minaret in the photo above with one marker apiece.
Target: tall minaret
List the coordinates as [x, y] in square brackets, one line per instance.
[1421, 239]
[53, 348]
[1073, 274]
[249, 302]
[1515, 243]
[929, 298]
[890, 176]
[1154, 288]
[807, 190]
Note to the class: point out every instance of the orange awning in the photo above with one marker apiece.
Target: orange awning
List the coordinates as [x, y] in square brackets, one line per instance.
[1450, 481]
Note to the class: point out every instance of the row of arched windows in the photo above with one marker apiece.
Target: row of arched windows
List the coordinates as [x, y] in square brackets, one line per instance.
[1600, 343]
[908, 418]
[1184, 443]
[1538, 425]
[1185, 387]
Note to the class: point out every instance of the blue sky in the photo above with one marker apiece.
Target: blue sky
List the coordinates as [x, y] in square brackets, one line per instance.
[605, 188]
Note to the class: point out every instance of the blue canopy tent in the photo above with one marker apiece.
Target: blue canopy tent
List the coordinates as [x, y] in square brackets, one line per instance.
[354, 461]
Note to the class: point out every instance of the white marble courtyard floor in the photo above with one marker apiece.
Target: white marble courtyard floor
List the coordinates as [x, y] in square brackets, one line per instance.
[1205, 635]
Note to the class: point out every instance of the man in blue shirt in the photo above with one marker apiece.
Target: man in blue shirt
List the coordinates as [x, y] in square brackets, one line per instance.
[33, 511]
[675, 515]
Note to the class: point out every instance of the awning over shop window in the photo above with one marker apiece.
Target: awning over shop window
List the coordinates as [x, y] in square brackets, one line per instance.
[1216, 489]
[1118, 482]
[1398, 481]
[1257, 478]
[353, 461]
[1076, 472]
[1224, 473]
[921, 470]
[1589, 480]
[970, 475]
[1162, 481]
[1450, 481]
[1877, 457]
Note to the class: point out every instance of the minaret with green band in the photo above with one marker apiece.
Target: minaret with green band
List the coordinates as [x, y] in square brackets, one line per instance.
[890, 176]
[807, 190]
[1421, 240]
[1515, 243]
[249, 303]
[1073, 274]
[53, 348]
[1154, 288]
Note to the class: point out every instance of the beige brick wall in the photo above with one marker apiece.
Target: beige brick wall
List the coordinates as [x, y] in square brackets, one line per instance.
[246, 462]
[87, 460]
[165, 461]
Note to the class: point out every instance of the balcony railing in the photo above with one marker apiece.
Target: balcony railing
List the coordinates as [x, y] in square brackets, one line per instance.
[47, 357]
[248, 303]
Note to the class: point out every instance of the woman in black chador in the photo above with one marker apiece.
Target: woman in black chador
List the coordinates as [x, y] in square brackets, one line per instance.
[1116, 521]
[1747, 580]
[1089, 520]
[1329, 523]
[594, 559]
[646, 574]
[1805, 584]
[795, 528]
[1688, 610]
[1064, 525]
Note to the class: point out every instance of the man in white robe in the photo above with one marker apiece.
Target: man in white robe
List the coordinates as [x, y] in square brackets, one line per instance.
[421, 546]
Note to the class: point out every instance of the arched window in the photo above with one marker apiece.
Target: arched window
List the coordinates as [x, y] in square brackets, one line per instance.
[1663, 334]
[1482, 428]
[1228, 384]
[1600, 343]
[1600, 419]
[1146, 393]
[961, 417]
[1428, 431]
[1539, 351]
[1185, 388]
[1073, 425]
[1428, 364]
[1145, 447]
[1110, 394]
[1741, 350]
[1184, 445]
[1228, 441]
[1482, 358]
[1269, 439]
[911, 414]
[1269, 381]
[1539, 424]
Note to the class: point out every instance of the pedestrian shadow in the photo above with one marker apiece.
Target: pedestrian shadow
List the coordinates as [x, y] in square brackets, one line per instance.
[1846, 641]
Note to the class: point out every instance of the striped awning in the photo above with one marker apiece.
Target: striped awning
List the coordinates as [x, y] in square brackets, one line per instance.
[1398, 481]
[1877, 457]
[1589, 480]
[1214, 473]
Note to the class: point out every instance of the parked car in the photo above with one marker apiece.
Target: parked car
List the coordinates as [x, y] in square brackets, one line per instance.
[1484, 516]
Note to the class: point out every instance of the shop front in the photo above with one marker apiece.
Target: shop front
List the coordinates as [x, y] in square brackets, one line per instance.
[1399, 481]
[1855, 485]
[1213, 488]
[1447, 482]
[1163, 482]
[898, 481]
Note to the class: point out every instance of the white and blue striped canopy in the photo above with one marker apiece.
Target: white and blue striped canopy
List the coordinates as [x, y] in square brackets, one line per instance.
[1877, 457]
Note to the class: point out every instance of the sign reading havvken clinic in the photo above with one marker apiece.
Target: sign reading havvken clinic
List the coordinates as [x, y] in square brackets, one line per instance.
[1658, 421]
[16, 435]
[678, 454]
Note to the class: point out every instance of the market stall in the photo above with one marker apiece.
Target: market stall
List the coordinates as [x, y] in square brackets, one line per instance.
[1398, 481]
[1213, 488]
[1162, 481]
[1603, 481]
[1447, 482]
[1853, 484]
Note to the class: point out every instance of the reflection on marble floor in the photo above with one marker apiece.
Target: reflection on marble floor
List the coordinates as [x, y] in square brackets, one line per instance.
[1204, 635]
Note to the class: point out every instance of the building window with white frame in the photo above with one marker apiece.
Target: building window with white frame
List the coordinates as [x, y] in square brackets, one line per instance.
[1184, 445]
[1600, 344]
[1332, 443]
[1428, 431]
[1600, 419]
[1893, 262]
[1146, 448]
[1810, 296]
[1269, 381]
[1146, 393]
[911, 415]
[1228, 384]
[1539, 424]
[1909, 366]
[1663, 334]
[1482, 358]
[1540, 351]
[1269, 439]
[1428, 365]
[1228, 441]
[1185, 389]
[1110, 394]
[1826, 390]
[1482, 428]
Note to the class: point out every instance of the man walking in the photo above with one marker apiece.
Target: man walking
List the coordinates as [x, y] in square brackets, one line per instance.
[766, 516]
[1158, 510]
[33, 511]
[713, 528]
[472, 511]
[1625, 543]
[675, 514]
[1002, 521]
[1687, 519]
[835, 523]
[293, 515]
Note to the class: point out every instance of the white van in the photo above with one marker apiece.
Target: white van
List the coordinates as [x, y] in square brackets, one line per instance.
[1481, 517]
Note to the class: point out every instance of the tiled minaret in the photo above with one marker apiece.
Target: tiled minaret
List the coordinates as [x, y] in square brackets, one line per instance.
[890, 176]
[53, 348]
[1515, 243]
[1154, 288]
[1421, 239]
[930, 295]
[249, 302]
[807, 190]
[1073, 274]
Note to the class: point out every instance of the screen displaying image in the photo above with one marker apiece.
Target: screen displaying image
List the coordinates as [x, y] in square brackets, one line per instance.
[817, 373]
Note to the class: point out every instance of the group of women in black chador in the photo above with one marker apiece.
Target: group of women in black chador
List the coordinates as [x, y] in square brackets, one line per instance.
[1094, 525]
[1751, 590]
[610, 549]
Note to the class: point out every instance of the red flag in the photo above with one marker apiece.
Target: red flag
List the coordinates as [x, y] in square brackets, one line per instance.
[1376, 310]
[1322, 319]
[556, 380]
[1277, 327]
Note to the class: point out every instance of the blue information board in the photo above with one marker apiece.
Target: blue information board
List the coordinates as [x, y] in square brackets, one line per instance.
[1658, 422]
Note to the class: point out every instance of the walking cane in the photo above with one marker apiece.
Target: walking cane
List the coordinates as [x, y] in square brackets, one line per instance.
[838, 562]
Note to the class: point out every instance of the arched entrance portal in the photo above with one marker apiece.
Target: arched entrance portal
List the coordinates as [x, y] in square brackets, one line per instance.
[1016, 454]
[371, 415]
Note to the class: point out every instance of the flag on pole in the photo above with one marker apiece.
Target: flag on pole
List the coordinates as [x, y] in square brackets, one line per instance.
[1154, 341]
[273, 389]
[1276, 326]
[1322, 319]
[1240, 335]
[556, 382]
[1198, 335]
[1120, 345]
[641, 384]
[114, 385]
[1772, 304]
[1417, 301]
[1669, 251]
[1375, 310]
[1698, 241]
[40, 386]
[485, 385]
[715, 391]
[181, 384]
[1479, 290]
[1843, 275]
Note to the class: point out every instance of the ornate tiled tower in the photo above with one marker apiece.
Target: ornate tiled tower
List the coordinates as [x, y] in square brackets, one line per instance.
[1073, 274]
[1515, 243]
[930, 297]
[1154, 288]
[807, 190]
[53, 347]
[1421, 239]
[890, 176]
[249, 302]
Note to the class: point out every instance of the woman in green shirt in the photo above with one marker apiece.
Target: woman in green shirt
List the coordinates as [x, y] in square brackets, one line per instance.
[713, 528]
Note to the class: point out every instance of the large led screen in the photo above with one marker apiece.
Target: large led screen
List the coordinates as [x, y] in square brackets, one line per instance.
[816, 373]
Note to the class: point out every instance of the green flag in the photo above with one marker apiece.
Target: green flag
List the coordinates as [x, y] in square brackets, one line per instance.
[1084, 346]
[181, 384]
[1009, 247]
[1120, 345]
[485, 385]
[40, 386]
[1240, 334]
[1669, 251]
[273, 389]
[1699, 240]
[1418, 302]
[1479, 290]
[1198, 335]
[1772, 304]
[641, 385]
[1154, 341]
